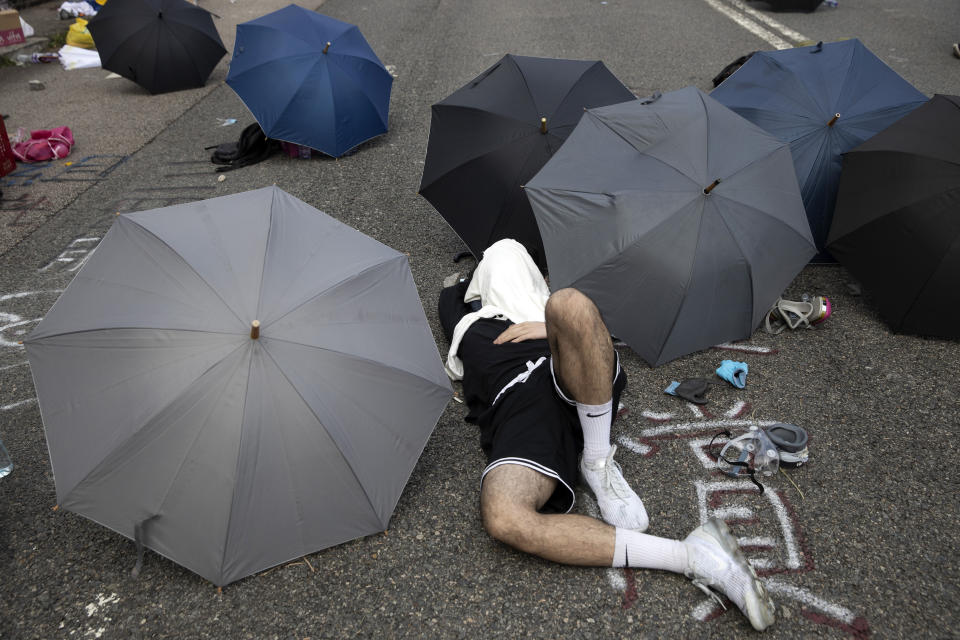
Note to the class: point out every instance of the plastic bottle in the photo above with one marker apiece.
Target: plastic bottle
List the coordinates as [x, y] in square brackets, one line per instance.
[6, 464]
[23, 58]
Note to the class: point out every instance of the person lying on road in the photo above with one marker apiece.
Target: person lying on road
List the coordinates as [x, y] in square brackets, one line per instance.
[542, 381]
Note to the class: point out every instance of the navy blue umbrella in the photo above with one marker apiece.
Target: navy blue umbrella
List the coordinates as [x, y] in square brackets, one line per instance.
[824, 100]
[310, 79]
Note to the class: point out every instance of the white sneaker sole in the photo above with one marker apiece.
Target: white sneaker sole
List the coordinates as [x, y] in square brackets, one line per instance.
[760, 607]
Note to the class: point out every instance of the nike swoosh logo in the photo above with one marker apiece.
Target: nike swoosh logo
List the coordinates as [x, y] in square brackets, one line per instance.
[597, 415]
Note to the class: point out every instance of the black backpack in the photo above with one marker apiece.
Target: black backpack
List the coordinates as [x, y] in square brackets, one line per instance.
[253, 146]
[730, 68]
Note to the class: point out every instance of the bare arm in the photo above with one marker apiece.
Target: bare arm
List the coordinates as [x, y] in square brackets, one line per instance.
[522, 331]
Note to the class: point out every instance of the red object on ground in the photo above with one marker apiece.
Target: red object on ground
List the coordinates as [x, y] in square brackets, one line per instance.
[7, 160]
[10, 30]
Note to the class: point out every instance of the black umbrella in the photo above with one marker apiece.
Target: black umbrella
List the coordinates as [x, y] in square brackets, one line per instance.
[492, 135]
[162, 45]
[897, 221]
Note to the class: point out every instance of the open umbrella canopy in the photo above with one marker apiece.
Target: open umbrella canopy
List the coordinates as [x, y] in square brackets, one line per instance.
[823, 100]
[162, 45]
[310, 79]
[493, 134]
[237, 382]
[897, 225]
[681, 220]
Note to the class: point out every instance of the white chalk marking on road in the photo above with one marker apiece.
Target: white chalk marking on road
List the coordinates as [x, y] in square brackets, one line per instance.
[8, 407]
[751, 26]
[704, 489]
[698, 450]
[758, 541]
[13, 366]
[749, 348]
[695, 410]
[705, 424]
[657, 417]
[633, 445]
[26, 294]
[782, 28]
[833, 610]
[102, 600]
[733, 513]
[703, 610]
[735, 410]
[16, 322]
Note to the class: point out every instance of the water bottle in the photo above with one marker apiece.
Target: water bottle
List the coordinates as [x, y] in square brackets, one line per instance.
[6, 464]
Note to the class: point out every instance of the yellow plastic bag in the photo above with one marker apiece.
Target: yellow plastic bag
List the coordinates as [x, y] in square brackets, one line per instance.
[79, 36]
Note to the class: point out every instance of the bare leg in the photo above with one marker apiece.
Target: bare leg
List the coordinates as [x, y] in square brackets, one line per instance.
[583, 357]
[509, 501]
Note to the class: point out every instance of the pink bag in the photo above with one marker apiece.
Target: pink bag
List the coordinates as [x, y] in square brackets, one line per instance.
[45, 144]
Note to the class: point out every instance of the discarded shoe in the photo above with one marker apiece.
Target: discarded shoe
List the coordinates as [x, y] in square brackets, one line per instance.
[805, 313]
[716, 563]
[618, 503]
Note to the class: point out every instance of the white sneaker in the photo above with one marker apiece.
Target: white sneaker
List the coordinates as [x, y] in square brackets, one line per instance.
[619, 505]
[715, 560]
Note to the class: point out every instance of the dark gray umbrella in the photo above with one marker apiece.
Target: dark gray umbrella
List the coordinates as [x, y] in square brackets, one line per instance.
[244, 379]
[680, 219]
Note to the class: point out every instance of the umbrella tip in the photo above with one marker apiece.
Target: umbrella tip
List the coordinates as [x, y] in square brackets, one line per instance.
[833, 119]
[326, 48]
[707, 191]
[254, 329]
[543, 125]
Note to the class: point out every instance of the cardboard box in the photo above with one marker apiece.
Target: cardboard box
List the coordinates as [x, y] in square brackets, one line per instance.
[10, 31]
[8, 161]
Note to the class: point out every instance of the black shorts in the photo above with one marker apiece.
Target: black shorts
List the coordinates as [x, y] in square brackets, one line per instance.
[523, 415]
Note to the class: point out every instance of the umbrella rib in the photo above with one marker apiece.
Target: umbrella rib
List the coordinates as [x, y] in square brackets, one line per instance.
[266, 251]
[196, 437]
[355, 357]
[192, 58]
[346, 462]
[189, 266]
[337, 284]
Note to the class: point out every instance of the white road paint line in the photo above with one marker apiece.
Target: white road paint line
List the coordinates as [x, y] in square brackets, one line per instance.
[782, 28]
[764, 34]
[8, 407]
[14, 366]
[833, 610]
[633, 445]
[703, 425]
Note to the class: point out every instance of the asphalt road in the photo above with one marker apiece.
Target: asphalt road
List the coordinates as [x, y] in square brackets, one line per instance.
[861, 542]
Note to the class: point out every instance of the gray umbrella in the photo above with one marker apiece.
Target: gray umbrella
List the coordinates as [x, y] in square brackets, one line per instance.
[680, 219]
[240, 381]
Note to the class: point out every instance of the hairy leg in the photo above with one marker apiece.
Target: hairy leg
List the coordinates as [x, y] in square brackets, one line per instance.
[583, 356]
[509, 501]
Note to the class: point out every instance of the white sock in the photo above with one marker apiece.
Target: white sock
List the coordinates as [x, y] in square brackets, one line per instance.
[595, 421]
[635, 549]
